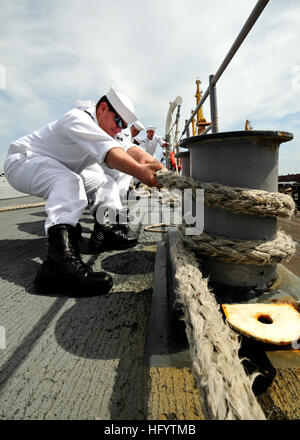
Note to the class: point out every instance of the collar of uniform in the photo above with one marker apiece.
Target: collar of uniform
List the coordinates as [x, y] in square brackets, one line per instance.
[120, 136]
[92, 111]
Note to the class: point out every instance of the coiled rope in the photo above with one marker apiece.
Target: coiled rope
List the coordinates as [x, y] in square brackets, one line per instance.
[258, 252]
[225, 389]
[240, 200]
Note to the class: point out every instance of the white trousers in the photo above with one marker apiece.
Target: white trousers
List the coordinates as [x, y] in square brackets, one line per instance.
[102, 196]
[67, 193]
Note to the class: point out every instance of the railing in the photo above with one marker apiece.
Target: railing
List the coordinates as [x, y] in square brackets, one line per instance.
[213, 79]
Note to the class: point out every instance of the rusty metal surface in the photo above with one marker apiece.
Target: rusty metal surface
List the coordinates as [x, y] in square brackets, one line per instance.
[284, 359]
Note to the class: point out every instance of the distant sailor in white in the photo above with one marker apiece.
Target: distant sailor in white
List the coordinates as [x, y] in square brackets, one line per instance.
[48, 163]
[149, 144]
[131, 133]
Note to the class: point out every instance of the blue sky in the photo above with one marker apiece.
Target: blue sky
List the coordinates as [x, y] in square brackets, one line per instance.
[53, 53]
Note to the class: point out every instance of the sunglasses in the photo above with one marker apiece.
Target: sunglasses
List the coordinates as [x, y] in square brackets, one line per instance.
[118, 120]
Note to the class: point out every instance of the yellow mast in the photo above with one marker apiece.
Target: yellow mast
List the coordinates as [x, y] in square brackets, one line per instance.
[201, 121]
[193, 125]
[248, 125]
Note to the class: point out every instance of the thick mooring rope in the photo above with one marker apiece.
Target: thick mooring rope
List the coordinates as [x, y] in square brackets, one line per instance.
[279, 250]
[225, 389]
[240, 200]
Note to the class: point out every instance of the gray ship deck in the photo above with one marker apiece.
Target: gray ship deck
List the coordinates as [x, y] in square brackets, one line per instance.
[84, 358]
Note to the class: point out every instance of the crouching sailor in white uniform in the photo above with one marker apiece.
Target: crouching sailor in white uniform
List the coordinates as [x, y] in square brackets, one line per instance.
[48, 163]
[106, 190]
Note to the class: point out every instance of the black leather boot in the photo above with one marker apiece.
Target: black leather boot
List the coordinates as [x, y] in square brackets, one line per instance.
[75, 238]
[109, 237]
[63, 268]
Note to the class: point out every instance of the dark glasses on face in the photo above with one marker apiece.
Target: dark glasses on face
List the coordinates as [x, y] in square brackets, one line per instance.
[119, 122]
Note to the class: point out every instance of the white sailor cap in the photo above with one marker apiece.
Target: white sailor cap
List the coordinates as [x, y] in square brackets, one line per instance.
[151, 127]
[122, 104]
[138, 125]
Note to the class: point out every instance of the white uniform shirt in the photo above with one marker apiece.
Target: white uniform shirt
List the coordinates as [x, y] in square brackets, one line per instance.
[75, 140]
[125, 141]
[150, 146]
[125, 138]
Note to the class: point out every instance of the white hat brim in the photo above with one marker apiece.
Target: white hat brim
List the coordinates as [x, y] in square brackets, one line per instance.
[122, 104]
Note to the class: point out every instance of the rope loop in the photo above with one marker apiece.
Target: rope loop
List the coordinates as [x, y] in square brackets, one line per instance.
[239, 200]
[281, 249]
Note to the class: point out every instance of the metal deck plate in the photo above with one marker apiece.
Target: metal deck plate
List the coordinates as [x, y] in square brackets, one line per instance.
[162, 350]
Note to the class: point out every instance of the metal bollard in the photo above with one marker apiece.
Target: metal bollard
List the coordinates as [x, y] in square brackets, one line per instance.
[244, 159]
[185, 162]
